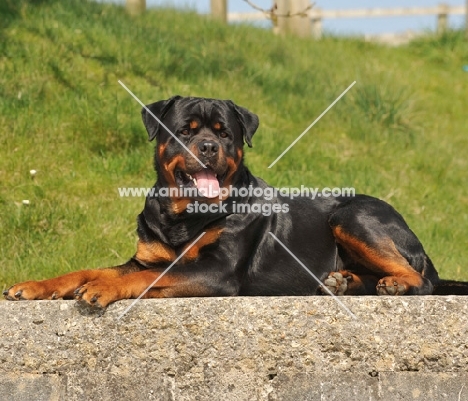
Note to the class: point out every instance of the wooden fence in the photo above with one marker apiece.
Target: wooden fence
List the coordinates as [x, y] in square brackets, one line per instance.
[310, 22]
[316, 15]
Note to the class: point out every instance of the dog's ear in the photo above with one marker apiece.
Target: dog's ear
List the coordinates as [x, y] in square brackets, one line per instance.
[158, 109]
[248, 121]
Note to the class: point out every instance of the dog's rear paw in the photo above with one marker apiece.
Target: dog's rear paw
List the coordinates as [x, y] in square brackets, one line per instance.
[392, 286]
[336, 283]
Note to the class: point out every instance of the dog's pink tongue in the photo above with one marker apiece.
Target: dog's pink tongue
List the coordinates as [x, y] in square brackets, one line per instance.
[207, 183]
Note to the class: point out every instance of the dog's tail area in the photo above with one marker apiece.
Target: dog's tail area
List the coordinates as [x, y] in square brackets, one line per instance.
[451, 287]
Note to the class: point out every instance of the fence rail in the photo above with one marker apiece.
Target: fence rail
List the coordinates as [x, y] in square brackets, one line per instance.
[360, 13]
[316, 15]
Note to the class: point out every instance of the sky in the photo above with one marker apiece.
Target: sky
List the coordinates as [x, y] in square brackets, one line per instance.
[344, 25]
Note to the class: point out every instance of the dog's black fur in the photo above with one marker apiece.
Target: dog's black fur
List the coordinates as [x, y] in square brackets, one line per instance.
[356, 245]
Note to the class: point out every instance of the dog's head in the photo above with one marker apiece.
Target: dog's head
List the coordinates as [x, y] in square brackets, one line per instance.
[199, 141]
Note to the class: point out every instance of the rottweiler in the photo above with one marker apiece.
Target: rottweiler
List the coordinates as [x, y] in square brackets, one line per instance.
[193, 223]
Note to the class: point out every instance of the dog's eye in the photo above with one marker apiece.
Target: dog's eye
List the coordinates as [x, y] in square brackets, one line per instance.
[185, 132]
[223, 134]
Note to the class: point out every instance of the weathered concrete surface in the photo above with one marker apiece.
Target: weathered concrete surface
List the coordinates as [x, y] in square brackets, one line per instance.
[289, 348]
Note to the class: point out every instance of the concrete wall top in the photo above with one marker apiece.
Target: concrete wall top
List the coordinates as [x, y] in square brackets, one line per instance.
[237, 348]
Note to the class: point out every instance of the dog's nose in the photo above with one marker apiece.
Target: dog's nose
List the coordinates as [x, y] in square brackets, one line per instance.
[208, 148]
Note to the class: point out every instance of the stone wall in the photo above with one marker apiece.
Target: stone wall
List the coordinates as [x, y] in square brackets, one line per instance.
[271, 348]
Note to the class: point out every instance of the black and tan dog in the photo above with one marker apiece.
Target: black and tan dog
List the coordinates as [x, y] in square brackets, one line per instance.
[357, 245]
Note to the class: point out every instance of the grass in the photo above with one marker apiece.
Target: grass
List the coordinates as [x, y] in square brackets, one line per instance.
[400, 134]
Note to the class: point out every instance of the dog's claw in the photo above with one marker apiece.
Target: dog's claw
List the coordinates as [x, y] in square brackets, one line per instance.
[77, 293]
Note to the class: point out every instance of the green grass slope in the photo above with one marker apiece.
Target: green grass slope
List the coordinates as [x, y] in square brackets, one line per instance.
[400, 134]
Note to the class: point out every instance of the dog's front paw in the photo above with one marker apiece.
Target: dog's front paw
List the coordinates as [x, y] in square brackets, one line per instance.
[30, 290]
[98, 293]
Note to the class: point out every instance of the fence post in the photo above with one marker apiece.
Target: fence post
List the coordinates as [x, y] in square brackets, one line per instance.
[298, 25]
[317, 23]
[466, 20]
[219, 10]
[135, 7]
[442, 18]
